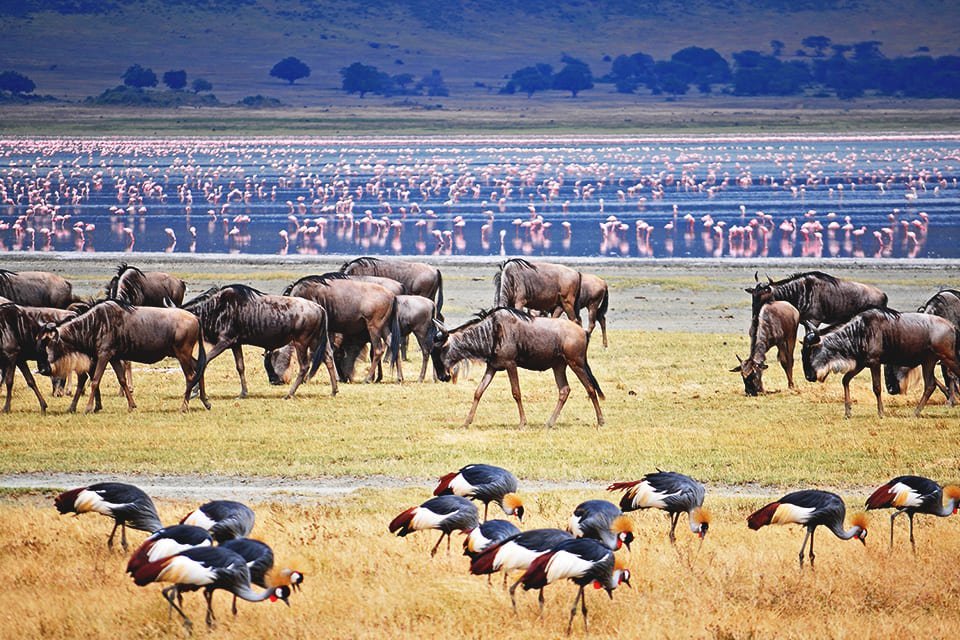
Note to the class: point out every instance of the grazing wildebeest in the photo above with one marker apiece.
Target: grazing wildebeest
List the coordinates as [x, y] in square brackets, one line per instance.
[946, 304]
[540, 286]
[236, 315]
[145, 288]
[416, 315]
[113, 331]
[35, 289]
[417, 278]
[353, 308]
[777, 327]
[20, 329]
[595, 298]
[507, 338]
[881, 336]
[820, 298]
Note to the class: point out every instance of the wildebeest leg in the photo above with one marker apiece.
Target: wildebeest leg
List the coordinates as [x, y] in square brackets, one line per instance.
[563, 387]
[515, 389]
[99, 368]
[400, 369]
[8, 381]
[376, 353]
[591, 390]
[331, 369]
[847, 377]
[484, 383]
[603, 330]
[238, 360]
[928, 385]
[876, 379]
[25, 370]
[120, 368]
[128, 375]
[785, 357]
[425, 353]
[304, 359]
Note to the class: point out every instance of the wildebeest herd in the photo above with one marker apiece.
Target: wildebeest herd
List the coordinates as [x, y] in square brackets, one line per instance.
[373, 304]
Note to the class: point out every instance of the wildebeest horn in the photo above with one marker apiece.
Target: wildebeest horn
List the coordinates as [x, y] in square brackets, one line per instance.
[769, 279]
[739, 359]
[756, 276]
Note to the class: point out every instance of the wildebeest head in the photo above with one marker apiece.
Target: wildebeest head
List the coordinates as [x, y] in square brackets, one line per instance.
[752, 373]
[277, 364]
[811, 349]
[439, 353]
[54, 358]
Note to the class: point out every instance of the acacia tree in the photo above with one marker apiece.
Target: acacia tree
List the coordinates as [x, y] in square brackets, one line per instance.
[16, 82]
[290, 69]
[201, 84]
[574, 77]
[531, 79]
[176, 80]
[362, 79]
[139, 77]
[818, 43]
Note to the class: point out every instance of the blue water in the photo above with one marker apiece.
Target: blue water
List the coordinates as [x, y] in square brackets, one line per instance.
[507, 197]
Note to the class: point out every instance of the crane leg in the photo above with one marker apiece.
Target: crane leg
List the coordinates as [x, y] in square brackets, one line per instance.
[804, 546]
[674, 517]
[112, 533]
[912, 543]
[123, 537]
[433, 551]
[812, 555]
[540, 600]
[234, 605]
[573, 610]
[513, 588]
[170, 593]
[892, 517]
[208, 596]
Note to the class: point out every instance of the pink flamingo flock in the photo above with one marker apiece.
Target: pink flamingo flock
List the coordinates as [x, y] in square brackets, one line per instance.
[653, 199]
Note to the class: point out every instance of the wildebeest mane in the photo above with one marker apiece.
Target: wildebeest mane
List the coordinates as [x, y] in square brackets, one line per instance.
[498, 281]
[133, 280]
[364, 261]
[937, 301]
[820, 275]
[322, 279]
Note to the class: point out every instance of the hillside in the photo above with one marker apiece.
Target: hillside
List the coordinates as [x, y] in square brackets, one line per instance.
[78, 48]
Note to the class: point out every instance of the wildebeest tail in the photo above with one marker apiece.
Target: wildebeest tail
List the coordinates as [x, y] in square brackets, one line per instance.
[201, 357]
[320, 351]
[394, 334]
[604, 303]
[439, 306]
[497, 283]
[576, 298]
[593, 379]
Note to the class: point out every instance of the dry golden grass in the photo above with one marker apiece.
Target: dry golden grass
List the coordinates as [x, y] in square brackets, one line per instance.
[361, 582]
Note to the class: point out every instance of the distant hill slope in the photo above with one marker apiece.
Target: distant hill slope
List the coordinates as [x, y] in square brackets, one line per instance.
[78, 48]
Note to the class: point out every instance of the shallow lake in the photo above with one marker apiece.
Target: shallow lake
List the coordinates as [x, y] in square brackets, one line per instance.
[892, 196]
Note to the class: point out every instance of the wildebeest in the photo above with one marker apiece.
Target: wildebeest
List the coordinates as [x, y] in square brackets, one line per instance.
[35, 289]
[506, 339]
[20, 329]
[112, 331]
[416, 315]
[946, 304]
[236, 314]
[353, 308]
[595, 298]
[540, 286]
[417, 278]
[819, 297]
[881, 336]
[777, 327]
[145, 288]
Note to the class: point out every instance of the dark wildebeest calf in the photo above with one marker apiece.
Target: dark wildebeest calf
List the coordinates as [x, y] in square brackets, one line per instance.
[113, 331]
[20, 329]
[417, 278]
[539, 286]
[945, 304]
[820, 298]
[237, 314]
[777, 327]
[36, 289]
[353, 308]
[881, 336]
[508, 338]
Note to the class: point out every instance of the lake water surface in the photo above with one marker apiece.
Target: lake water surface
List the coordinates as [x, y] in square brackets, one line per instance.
[892, 196]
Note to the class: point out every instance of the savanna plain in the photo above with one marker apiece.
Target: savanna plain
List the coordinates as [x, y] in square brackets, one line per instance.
[671, 402]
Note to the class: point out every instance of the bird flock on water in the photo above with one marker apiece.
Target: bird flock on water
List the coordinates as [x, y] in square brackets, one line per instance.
[209, 549]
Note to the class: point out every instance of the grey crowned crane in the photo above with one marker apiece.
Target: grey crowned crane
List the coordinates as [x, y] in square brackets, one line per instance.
[207, 568]
[224, 519]
[485, 483]
[126, 504]
[259, 557]
[486, 535]
[603, 521]
[669, 491]
[811, 508]
[445, 513]
[582, 561]
[914, 494]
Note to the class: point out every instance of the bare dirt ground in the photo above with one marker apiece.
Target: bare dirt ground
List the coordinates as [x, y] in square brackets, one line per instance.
[676, 296]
